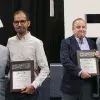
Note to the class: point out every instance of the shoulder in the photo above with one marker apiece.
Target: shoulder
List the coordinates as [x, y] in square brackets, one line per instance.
[12, 38]
[66, 40]
[36, 40]
[98, 40]
[4, 48]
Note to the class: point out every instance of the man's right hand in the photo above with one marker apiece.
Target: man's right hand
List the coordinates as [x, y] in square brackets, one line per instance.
[85, 75]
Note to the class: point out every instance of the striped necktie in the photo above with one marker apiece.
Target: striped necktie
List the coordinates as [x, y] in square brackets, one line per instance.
[81, 41]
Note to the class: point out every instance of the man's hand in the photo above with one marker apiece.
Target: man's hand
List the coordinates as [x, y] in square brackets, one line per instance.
[85, 75]
[28, 90]
[97, 54]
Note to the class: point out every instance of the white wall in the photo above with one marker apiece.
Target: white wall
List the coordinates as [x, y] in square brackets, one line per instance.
[79, 8]
[51, 8]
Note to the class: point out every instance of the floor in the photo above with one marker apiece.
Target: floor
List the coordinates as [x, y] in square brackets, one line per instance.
[60, 98]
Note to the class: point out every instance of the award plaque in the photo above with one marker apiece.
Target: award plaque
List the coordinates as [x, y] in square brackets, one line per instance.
[21, 74]
[88, 61]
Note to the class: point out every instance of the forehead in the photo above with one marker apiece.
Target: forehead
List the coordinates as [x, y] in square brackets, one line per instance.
[79, 23]
[20, 16]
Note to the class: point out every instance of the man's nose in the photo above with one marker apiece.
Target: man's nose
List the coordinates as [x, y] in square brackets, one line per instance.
[81, 28]
[19, 24]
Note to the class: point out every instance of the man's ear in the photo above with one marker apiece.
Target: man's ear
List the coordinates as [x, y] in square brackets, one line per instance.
[29, 23]
[13, 23]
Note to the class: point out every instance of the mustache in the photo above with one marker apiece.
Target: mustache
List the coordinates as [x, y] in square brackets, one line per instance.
[82, 31]
[19, 27]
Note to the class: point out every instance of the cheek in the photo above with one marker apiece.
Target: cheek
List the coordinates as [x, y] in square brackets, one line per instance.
[75, 31]
[85, 30]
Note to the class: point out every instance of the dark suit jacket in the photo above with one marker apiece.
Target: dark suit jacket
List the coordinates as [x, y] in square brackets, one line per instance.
[71, 82]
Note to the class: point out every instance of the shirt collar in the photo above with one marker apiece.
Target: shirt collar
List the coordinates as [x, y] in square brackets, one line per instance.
[25, 37]
[78, 40]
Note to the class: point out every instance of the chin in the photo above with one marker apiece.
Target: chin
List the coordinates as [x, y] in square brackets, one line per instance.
[20, 32]
[81, 37]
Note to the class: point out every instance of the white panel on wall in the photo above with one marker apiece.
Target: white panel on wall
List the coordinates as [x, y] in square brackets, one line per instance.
[1, 24]
[78, 9]
[51, 8]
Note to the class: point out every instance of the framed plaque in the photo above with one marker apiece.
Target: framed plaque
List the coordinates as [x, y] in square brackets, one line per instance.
[21, 74]
[88, 61]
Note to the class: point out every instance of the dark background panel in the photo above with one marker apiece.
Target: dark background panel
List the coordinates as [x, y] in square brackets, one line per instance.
[38, 11]
[93, 18]
[5, 16]
[56, 31]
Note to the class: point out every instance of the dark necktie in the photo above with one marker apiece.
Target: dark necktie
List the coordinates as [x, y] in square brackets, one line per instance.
[81, 41]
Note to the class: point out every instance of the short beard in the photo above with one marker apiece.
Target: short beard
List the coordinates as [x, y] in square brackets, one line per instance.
[20, 31]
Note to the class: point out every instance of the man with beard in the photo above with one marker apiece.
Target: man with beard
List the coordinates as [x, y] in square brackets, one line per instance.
[24, 47]
[77, 84]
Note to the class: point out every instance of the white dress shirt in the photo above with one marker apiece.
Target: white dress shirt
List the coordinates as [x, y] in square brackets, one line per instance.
[83, 46]
[30, 48]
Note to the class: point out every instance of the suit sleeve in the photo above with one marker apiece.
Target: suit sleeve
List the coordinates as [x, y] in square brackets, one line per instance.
[66, 59]
[98, 43]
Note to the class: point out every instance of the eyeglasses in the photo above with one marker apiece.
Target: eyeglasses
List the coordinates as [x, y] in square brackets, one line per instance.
[22, 22]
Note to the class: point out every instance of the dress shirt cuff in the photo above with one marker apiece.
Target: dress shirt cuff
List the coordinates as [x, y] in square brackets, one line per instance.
[79, 74]
[34, 85]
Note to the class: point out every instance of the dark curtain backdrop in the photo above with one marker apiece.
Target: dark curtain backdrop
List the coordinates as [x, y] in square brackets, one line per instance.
[5, 16]
[57, 31]
[38, 11]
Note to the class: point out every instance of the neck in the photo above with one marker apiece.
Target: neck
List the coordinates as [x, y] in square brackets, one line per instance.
[21, 35]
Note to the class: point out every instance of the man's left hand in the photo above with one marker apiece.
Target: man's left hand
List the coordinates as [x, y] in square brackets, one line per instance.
[28, 90]
[97, 54]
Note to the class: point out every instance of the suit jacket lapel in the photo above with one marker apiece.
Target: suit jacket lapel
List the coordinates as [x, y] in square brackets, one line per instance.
[74, 43]
[90, 44]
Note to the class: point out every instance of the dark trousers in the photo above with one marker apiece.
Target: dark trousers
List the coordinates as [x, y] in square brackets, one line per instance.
[18, 96]
[86, 93]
